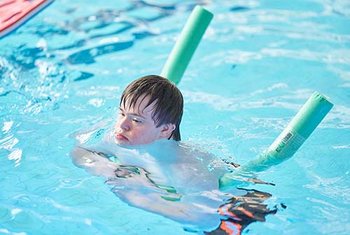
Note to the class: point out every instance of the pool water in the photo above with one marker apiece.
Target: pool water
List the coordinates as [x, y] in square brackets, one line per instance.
[65, 69]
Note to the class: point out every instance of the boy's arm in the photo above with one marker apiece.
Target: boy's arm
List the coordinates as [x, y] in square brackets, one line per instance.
[96, 163]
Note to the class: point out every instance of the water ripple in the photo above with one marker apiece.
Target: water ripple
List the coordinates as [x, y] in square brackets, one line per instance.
[88, 56]
[336, 56]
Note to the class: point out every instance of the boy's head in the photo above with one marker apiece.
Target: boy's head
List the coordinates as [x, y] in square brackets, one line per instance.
[151, 108]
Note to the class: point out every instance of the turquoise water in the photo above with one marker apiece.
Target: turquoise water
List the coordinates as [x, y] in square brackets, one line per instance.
[64, 71]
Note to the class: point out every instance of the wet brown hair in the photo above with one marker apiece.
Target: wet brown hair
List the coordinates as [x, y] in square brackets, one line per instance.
[167, 97]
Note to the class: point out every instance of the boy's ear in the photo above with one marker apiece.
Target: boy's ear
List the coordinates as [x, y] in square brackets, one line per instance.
[167, 130]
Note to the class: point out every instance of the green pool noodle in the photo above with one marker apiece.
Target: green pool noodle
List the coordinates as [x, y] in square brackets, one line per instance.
[290, 140]
[186, 44]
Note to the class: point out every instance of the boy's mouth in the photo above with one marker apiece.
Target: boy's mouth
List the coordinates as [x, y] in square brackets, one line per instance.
[121, 137]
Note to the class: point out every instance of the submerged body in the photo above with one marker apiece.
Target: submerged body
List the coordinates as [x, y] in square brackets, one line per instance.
[169, 178]
[165, 177]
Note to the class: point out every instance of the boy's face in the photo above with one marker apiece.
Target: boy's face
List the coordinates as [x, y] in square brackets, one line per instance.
[135, 125]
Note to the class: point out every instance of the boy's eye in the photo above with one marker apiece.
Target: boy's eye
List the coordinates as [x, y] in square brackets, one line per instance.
[137, 120]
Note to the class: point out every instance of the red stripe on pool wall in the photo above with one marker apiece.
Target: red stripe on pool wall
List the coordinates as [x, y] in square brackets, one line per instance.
[13, 13]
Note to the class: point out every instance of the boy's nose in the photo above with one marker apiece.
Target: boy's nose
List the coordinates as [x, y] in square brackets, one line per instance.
[124, 124]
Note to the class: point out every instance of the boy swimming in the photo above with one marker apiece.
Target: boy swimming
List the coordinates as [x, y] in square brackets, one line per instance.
[156, 172]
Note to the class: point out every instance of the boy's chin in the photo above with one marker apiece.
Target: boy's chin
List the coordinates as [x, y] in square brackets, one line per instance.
[134, 143]
[122, 143]
[127, 142]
